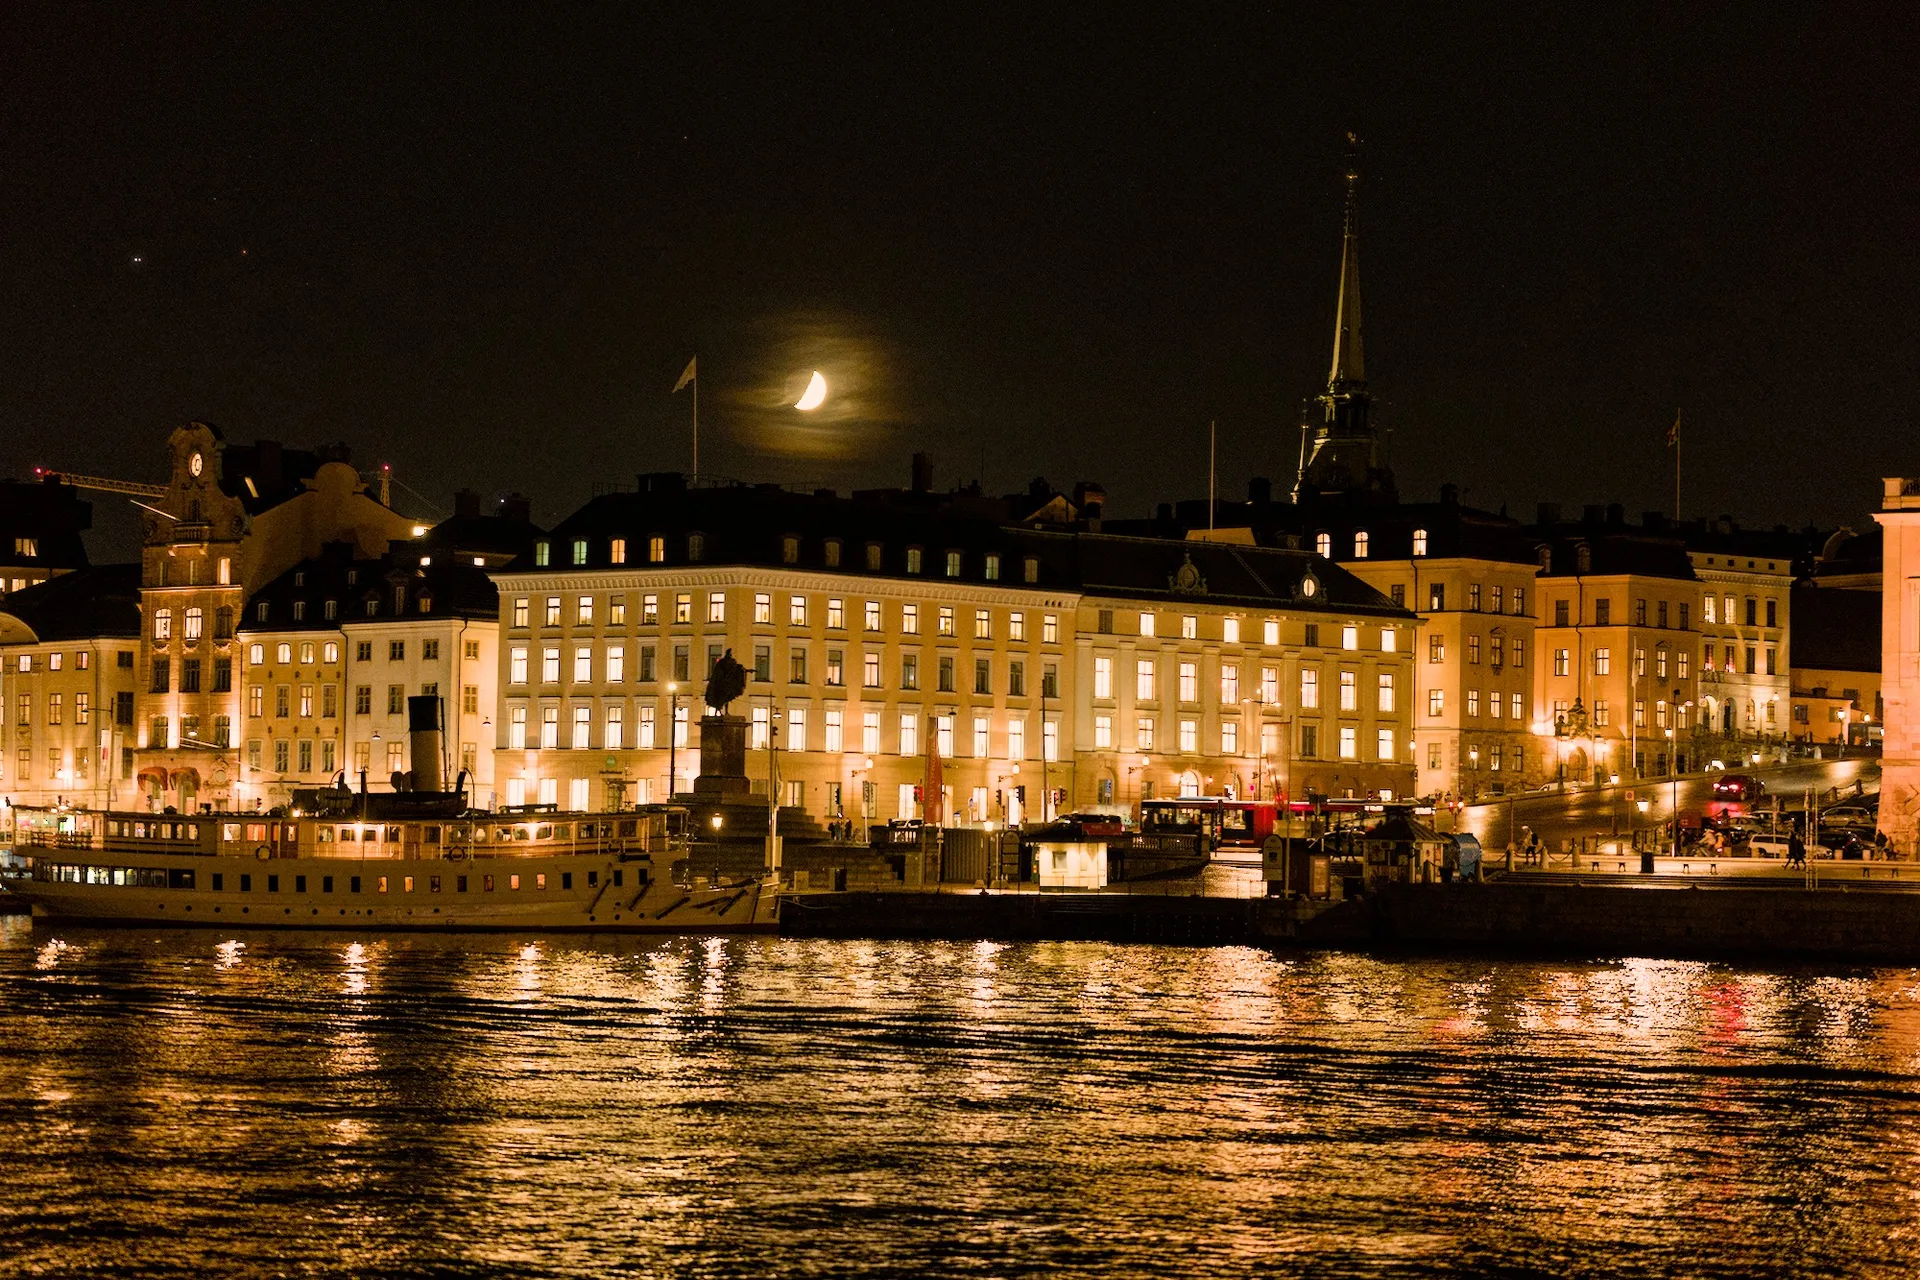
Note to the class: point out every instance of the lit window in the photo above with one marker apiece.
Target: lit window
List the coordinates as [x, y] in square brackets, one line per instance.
[1270, 632]
[1361, 541]
[1419, 542]
[617, 551]
[1349, 637]
[1323, 544]
[1230, 630]
[1189, 627]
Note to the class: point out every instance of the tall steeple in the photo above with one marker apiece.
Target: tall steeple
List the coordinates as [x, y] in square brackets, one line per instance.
[1349, 358]
[1341, 454]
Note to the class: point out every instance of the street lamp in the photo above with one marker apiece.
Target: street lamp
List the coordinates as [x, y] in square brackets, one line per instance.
[1133, 769]
[673, 738]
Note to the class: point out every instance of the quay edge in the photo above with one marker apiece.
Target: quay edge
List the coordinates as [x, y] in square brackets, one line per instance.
[1748, 924]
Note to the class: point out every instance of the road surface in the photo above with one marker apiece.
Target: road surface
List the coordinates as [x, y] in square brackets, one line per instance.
[1609, 810]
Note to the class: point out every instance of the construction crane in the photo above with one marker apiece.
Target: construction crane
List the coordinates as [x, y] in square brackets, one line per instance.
[102, 483]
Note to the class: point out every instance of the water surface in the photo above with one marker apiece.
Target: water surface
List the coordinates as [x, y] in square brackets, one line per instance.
[184, 1103]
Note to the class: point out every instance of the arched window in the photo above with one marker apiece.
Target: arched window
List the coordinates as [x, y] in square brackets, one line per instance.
[1323, 544]
[1361, 541]
[162, 624]
[192, 624]
[1419, 542]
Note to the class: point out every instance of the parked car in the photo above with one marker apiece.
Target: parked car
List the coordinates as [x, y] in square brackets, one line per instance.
[1765, 846]
[1097, 825]
[1738, 787]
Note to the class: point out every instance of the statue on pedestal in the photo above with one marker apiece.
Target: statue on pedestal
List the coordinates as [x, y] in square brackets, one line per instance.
[728, 681]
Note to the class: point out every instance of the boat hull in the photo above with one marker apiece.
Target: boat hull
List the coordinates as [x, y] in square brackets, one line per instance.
[567, 893]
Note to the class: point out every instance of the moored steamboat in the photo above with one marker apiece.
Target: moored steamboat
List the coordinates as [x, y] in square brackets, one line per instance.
[376, 867]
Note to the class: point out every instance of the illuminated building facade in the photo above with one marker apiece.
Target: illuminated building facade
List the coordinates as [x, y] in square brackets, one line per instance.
[1050, 667]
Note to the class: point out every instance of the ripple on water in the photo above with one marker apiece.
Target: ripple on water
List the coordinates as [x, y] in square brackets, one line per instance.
[186, 1104]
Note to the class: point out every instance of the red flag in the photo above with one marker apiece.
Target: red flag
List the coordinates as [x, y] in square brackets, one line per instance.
[933, 794]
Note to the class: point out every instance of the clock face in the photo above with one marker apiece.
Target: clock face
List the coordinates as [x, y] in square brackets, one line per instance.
[195, 463]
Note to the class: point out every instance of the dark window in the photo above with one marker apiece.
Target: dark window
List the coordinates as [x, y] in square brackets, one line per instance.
[1309, 741]
[353, 884]
[616, 877]
[566, 879]
[1436, 596]
[1773, 613]
[273, 884]
[459, 884]
[1312, 637]
[124, 658]
[219, 882]
[189, 675]
[326, 884]
[162, 675]
[123, 706]
[1560, 612]
[1106, 622]
[1017, 679]
[1602, 613]
[946, 674]
[223, 675]
[1398, 594]
[593, 878]
[299, 884]
[246, 884]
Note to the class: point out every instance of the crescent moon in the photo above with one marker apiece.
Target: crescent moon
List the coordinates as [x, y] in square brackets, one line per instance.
[814, 396]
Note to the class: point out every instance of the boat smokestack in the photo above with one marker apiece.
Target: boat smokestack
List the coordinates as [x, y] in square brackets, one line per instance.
[424, 726]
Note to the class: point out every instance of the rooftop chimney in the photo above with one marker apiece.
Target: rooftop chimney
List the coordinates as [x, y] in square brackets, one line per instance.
[1549, 513]
[1090, 498]
[923, 473]
[423, 733]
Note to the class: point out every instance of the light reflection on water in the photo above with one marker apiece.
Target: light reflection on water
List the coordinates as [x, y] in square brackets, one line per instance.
[182, 1104]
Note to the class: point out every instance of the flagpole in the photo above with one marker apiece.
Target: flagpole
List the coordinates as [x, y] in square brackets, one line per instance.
[696, 425]
[1213, 454]
[1676, 468]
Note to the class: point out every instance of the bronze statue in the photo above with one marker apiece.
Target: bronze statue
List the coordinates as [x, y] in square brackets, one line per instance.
[728, 681]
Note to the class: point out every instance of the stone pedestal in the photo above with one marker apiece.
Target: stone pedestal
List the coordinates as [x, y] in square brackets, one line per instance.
[723, 760]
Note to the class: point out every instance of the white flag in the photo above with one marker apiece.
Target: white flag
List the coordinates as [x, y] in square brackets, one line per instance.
[688, 374]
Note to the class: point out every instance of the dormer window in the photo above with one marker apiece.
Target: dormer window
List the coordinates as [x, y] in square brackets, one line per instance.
[913, 559]
[953, 564]
[1546, 559]
[542, 553]
[617, 551]
[696, 546]
[426, 602]
[1419, 542]
[373, 606]
[1583, 559]
[833, 553]
[1323, 545]
[656, 550]
[993, 568]
[873, 556]
[789, 550]
[1030, 569]
[579, 550]
[1361, 542]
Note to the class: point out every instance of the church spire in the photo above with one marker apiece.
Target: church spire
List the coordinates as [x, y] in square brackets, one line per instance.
[1341, 455]
[1349, 359]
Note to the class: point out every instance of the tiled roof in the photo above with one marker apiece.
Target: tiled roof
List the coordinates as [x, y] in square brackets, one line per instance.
[101, 602]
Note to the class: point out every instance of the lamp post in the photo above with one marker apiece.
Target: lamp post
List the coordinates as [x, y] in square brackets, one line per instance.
[673, 738]
[1133, 769]
[773, 785]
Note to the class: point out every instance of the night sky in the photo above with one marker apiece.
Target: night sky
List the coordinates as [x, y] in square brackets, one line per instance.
[483, 247]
